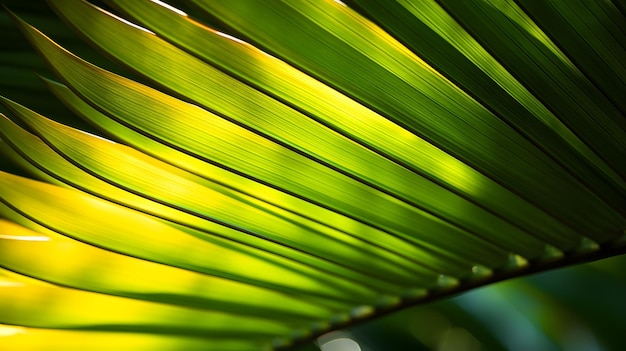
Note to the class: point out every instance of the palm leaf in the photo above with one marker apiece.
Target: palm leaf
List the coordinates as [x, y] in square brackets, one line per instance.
[321, 164]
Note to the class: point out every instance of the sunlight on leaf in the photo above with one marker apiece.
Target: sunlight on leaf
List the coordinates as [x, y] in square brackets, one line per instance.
[255, 175]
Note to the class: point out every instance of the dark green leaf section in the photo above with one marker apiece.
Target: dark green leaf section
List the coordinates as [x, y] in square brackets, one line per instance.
[375, 69]
[580, 105]
[594, 41]
[444, 44]
[350, 160]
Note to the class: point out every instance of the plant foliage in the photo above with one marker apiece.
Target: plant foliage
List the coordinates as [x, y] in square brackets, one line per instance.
[259, 172]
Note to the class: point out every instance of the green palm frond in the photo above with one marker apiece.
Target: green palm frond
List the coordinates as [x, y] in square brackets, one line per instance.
[257, 173]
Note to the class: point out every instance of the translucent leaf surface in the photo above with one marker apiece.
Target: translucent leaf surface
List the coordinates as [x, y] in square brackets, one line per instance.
[256, 173]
